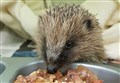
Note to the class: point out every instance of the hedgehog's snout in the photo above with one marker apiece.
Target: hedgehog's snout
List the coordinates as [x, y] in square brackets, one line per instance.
[51, 69]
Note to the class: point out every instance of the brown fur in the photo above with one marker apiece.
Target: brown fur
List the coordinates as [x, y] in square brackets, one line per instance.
[64, 24]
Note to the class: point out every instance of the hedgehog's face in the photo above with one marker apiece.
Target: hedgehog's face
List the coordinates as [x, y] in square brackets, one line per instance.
[71, 36]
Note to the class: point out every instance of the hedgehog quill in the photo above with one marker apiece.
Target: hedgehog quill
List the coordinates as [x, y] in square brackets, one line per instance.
[69, 33]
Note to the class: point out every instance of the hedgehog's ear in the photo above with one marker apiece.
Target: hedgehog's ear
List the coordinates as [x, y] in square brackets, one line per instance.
[89, 24]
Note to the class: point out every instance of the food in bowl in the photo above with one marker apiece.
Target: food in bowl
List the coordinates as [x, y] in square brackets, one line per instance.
[79, 75]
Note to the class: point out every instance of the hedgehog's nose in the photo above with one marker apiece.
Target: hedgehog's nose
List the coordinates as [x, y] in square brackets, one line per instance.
[51, 69]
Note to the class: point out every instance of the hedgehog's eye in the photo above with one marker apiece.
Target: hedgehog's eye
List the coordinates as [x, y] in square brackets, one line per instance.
[69, 45]
[88, 23]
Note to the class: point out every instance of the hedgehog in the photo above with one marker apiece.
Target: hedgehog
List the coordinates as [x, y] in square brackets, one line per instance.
[69, 33]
